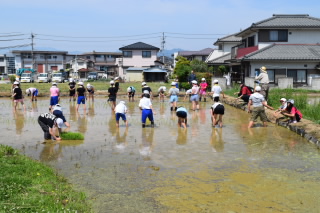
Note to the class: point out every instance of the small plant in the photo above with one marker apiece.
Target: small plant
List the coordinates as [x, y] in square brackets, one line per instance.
[71, 136]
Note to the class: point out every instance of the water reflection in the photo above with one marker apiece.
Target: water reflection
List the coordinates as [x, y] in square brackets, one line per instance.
[217, 142]
[82, 122]
[51, 152]
[121, 139]
[19, 121]
[146, 145]
[182, 136]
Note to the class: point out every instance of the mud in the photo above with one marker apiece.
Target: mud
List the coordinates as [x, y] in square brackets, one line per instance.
[168, 169]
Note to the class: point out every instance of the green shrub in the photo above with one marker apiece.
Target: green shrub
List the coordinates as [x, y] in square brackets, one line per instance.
[71, 136]
[12, 78]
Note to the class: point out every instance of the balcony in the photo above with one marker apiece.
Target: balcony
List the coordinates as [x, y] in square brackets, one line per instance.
[240, 51]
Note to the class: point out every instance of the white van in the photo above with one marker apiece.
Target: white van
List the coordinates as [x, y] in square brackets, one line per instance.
[27, 78]
[44, 78]
[58, 77]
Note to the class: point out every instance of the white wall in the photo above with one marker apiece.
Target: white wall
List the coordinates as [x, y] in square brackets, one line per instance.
[138, 61]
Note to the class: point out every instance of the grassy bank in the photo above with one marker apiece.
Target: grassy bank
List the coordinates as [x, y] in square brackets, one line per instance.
[310, 112]
[29, 186]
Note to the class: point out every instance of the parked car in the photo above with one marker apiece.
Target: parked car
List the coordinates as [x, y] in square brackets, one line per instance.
[93, 76]
[27, 78]
[44, 78]
[59, 77]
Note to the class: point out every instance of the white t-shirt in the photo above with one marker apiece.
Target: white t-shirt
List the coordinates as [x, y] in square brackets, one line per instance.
[90, 87]
[32, 90]
[145, 103]
[216, 89]
[195, 89]
[189, 91]
[121, 108]
[216, 104]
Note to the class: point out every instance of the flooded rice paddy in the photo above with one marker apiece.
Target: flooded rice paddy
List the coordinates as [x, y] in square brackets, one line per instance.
[168, 169]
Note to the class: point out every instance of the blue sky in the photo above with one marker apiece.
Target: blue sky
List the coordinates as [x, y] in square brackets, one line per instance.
[106, 25]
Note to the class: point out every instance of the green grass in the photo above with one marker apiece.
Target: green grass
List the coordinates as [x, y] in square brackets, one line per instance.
[30, 186]
[71, 136]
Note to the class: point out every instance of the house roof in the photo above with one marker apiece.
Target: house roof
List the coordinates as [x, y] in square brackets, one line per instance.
[155, 69]
[229, 38]
[136, 68]
[204, 52]
[139, 46]
[102, 53]
[285, 21]
[221, 59]
[306, 52]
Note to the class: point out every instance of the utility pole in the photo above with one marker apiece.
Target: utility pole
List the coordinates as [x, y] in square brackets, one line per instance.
[32, 56]
[162, 47]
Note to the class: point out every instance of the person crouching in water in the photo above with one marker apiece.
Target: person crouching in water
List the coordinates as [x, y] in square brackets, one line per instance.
[17, 96]
[203, 89]
[57, 111]
[146, 106]
[121, 111]
[182, 115]
[217, 112]
[162, 91]
[292, 112]
[90, 90]
[258, 103]
[112, 94]
[49, 124]
[33, 92]
[131, 91]
[173, 92]
[81, 94]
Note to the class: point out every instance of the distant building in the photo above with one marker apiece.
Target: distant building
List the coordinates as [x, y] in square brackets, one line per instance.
[200, 55]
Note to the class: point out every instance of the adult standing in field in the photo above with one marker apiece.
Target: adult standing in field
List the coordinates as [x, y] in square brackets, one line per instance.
[192, 77]
[17, 96]
[131, 91]
[54, 95]
[33, 92]
[173, 92]
[117, 83]
[203, 89]
[195, 95]
[258, 103]
[146, 87]
[263, 79]
[81, 94]
[90, 89]
[72, 89]
[112, 94]
[49, 124]
[216, 91]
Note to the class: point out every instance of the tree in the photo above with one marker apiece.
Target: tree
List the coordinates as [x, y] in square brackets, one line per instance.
[182, 69]
[199, 66]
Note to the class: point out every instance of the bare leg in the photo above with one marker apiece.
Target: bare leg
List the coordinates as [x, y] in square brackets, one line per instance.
[117, 124]
[77, 107]
[197, 104]
[265, 124]
[250, 124]
[127, 123]
[220, 120]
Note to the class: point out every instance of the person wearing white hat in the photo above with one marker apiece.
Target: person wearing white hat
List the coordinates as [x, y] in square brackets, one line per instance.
[121, 111]
[33, 92]
[131, 91]
[49, 123]
[146, 87]
[72, 89]
[173, 92]
[203, 89]
[258, 103]
[146, 106]
[17, 96]
[216, 91]
[263, 79]
[283, 106]
[57, 111]
[161, 91]
[112, 94]
[81, 96]
[292, 112]
[90, 89]
[195, 95]
[54, 95]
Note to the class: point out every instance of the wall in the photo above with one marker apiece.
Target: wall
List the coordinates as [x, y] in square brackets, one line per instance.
[134, 76]
[138, 61]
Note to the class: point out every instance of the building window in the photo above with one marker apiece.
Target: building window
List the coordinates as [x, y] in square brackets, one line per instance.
[299, 76]
[204, 58]
[270, 74]
[41, 56]
[251, 41]
[54, 57]
[87, 57]
[220, 47]
[49, 57]
[146, 54]
[1, 59]
[127, 54]
[273, 35]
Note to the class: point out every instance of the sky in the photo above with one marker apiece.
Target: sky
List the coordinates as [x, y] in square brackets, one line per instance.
[106, 26]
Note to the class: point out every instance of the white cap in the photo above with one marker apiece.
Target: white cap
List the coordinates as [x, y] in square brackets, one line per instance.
[258, 88]
[59, 122]
[54, 83]
[194, 82]
[129, 89]
[27, 91]
[122, 102]
[145, 92]
[290, 101]
[143, 83]
[203, 79]
[88, 85]
[116, 78]
[173, 83]
[283, 99]
[16, 82]
[71, 79]
[80, 83]
[215, 81]
[57, 107]
[111, 82]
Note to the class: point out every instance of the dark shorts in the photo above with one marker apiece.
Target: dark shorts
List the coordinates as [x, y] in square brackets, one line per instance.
[181, 114]
[216, 99]
[219, 110]
[81, 100]
[90, 91]
[112, 98]
[120, 115]
[131, 94]
[54, 100]
[72, 92]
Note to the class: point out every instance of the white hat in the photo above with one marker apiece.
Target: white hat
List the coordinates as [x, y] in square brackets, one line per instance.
[57, 107]
[122, 102]
[194, 82]
[203, 79]
[17, 79]
[145, 92]
[111, 82]
[143, 83]
[116, 78]
[59, 122]
[80, 83]
[258, 88]
[129, 89]
[283, 99]
[27, 91]
[290, 101]
[54, 83]
[71, 79]
[88, 85]
[173, 83]
[16, 82]
[215, 81]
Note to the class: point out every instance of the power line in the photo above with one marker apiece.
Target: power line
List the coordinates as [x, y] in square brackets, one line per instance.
[12, 35]
[97, 41]
[98, 37]
[10, 47]
[194, 34]
[15, 39]
[191, 38]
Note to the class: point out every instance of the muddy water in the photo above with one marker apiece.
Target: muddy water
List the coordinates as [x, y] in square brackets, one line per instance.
[166, 169]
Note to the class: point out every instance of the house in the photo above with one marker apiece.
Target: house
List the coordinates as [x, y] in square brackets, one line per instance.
[200, 55]
[7, 64]
[146, 74]
[80, 67]
[137, 55]
[288, 45]
[42, 61]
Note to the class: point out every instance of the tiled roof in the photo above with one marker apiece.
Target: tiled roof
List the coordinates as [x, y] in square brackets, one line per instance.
[228, 38]
[221, 59]
[139, 46]
[286, 52]
[205, 51]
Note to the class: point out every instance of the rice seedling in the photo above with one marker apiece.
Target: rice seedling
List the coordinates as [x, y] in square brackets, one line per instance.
[71, 136]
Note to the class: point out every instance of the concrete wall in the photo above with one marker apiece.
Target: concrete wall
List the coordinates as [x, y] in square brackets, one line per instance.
[249, 81]
[134, 76]
[315, 83]
[138, 61]
[284, 83]
[222, 82]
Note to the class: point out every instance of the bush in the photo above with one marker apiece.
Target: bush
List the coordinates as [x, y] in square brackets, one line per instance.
[12, 78]
[207, 76]
[184, 85]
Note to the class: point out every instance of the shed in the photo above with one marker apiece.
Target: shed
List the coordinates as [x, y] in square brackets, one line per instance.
[134, 74]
